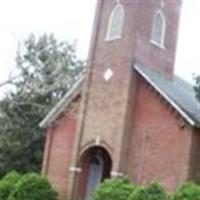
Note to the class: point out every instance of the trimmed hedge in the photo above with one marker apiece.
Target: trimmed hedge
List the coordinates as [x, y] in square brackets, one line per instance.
[114, 189]
[7, 184]
[188, 191]
[122, 189]
[153, 191]
[33, 187]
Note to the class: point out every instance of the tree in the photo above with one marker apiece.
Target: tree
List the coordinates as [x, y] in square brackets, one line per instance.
[46, 69]
[197, 91]
[197, 87]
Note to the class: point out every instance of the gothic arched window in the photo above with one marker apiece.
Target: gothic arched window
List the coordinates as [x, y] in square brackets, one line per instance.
[158, 31]
[116, 22]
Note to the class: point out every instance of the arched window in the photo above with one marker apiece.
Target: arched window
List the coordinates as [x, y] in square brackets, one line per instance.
[158, 31]
[116, 22]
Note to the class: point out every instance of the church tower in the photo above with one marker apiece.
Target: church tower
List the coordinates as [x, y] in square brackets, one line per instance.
[126, 32]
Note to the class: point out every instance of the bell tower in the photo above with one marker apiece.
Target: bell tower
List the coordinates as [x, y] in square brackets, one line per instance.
[125, 32]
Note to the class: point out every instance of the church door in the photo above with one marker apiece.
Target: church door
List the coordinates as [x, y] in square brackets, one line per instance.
[96, 165]
[95, 174]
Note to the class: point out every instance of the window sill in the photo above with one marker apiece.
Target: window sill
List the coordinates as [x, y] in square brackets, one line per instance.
[161, 46]
[113, 38]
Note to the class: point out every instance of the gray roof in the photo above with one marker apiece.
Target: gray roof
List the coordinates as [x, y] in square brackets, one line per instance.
[62, 104]
[176, 91]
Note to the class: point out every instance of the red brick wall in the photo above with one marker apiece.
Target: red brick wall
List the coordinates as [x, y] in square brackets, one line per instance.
[58, 150]
[195, 157]
[105, 105]
[147, 53]
[160, 149]
[106, 102]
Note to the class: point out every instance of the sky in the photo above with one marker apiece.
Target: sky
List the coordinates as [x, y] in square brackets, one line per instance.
[72, 20]
[188, 53]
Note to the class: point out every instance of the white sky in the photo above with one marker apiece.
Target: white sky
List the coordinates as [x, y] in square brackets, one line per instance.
[72, 20]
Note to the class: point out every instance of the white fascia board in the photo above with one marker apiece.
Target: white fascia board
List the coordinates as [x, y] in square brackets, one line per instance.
[167, 98]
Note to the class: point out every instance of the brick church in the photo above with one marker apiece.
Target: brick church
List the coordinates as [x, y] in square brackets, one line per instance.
[129, 115]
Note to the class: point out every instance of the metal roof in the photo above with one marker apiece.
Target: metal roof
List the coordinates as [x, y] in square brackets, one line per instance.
[179, 93]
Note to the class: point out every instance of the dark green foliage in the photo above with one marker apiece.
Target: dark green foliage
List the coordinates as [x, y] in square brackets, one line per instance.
[188, 191]
[12, 177]
[197, 87]
[122, 189]
[47, 68]
[33, 187]
[153, 191]
[21, 140]
[114, 189]
[197, 91]
[7, 184]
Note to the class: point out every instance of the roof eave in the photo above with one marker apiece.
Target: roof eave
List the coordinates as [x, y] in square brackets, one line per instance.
[61, 105]
[167, 98]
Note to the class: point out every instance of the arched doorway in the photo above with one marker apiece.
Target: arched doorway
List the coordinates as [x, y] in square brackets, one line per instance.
[96, 166]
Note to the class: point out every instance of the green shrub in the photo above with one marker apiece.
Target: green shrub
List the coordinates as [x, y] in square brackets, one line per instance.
[188, 191]
[153, 191]
[33, 187]
[7, 184]
[114, 189]
[12, 176]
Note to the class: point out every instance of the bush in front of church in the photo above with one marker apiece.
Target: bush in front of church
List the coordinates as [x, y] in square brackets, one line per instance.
[188, 191]
[33, 187]
[114, 189]
[152, 191]
[7, 184]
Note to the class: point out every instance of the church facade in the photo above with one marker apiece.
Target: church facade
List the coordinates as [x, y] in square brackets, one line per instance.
[129, 115]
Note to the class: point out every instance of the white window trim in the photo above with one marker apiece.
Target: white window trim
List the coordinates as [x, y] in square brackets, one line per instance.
[161, 45]
[108, 38]
[157, 44]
